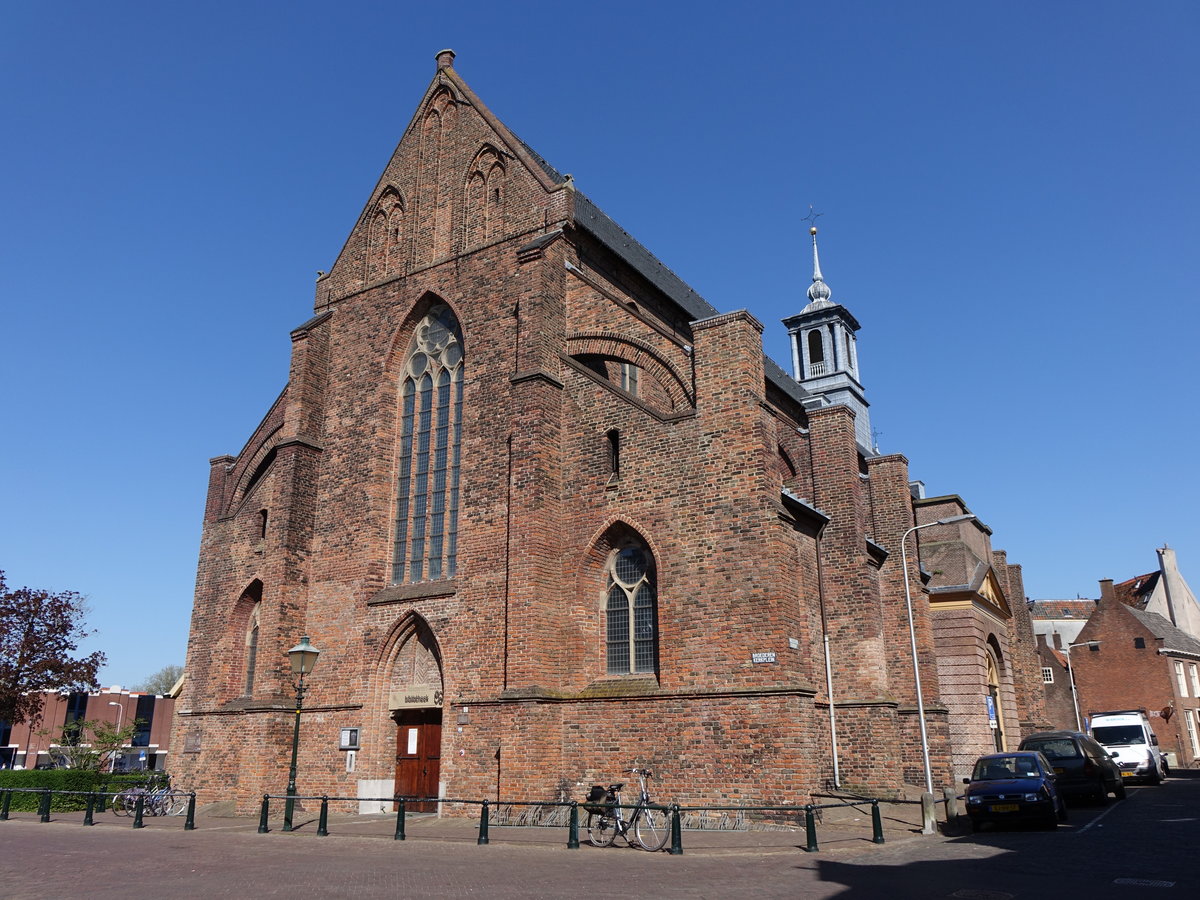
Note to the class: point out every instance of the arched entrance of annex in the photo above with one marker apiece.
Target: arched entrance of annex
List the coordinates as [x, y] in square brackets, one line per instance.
[995, 708]
[414, 703]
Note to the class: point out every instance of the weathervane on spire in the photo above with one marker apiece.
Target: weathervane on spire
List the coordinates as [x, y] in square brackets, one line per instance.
[818, 291]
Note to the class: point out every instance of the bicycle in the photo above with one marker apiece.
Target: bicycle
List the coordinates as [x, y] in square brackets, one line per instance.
[606, 819]
[161, 800]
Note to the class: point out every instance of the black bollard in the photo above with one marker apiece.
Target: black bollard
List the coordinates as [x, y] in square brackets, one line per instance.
[399, 820]
[189, 824]
[262, 817]
[810, 826]
[876, 823]
[138, 808]
[676, 833]
[483, 824]
[103, 804]
[323, 821]
[573, 828]
[88, 810]
[44, 805]
[4, 804]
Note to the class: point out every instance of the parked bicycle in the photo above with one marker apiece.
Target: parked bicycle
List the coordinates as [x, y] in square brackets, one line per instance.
[650, 824]
[159, 799]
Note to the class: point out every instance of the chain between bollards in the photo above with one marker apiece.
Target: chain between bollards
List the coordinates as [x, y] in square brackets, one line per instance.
[676, 832]
[399, 821]
[323, 821]
[810, 828]
[138, 808]
[573, 830]
[189, 824]
[876, 823]
[262, 816]
[483, 825]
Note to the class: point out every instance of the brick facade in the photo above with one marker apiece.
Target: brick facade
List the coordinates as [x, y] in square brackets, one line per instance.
[767, 527]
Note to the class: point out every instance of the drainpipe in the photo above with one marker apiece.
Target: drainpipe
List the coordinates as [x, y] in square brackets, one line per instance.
[837, 777]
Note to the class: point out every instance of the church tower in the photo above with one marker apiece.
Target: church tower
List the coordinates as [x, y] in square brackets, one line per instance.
[825, 353]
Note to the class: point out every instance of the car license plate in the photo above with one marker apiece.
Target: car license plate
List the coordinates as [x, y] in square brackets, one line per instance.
[1127, 774]
[1058, 771]
[1004, 807]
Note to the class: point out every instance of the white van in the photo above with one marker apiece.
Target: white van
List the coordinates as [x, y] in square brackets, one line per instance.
[1131, 742]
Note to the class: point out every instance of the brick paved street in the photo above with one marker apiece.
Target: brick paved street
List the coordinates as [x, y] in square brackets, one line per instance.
[225, 857]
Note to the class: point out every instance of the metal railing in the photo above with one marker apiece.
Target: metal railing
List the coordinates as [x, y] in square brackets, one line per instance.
[95, 801]
[808, 812]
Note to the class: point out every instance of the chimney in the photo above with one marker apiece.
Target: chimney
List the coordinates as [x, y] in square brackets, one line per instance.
[1106, 590]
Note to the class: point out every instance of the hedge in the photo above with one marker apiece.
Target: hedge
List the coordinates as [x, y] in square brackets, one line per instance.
[81, 780]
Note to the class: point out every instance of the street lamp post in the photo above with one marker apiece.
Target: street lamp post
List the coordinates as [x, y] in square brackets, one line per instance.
[912, 636]
[112, 767]
[303, 658]
[1071, 678]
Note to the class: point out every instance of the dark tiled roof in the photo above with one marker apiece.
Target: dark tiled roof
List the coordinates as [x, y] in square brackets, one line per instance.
[588, 215]
[1134, 591]
[1061, 609]
[1161, 627]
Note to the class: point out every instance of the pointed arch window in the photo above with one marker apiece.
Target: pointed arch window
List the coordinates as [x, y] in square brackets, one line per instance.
[427, 484]
[251, 651]
[631, 612]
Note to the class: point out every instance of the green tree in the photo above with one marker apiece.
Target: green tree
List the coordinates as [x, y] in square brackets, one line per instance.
[161, 681]
[91, 744]
[40, 633]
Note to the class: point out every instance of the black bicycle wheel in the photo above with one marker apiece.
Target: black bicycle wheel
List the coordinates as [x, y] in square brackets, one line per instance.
[601, 829]
[653, 828]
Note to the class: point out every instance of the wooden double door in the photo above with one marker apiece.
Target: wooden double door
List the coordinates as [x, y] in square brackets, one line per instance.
[418, 755]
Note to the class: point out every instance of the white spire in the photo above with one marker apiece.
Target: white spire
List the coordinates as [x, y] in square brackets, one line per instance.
[818, 291]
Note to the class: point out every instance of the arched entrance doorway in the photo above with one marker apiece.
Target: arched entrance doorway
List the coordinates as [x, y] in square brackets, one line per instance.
[995, 710]
[415, 705]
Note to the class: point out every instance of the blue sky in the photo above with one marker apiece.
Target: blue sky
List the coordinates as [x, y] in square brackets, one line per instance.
[1009, 197]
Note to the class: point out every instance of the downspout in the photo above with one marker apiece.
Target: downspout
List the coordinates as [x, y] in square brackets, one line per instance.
[837, 778]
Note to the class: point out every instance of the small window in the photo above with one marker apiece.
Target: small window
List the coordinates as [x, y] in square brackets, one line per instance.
[262, 523]
[629, 378]
[1139, 643]
[1094, 648]
[1047, 675]
[614, 452]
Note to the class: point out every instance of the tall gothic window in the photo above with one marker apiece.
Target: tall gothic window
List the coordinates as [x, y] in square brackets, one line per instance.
[431, 393]
[631, 617]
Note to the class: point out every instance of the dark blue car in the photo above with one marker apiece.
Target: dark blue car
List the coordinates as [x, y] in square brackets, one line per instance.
[1018, 786]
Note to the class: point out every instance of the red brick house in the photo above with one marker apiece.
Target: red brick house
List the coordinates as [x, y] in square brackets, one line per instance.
[548, 514]
[1141, 660]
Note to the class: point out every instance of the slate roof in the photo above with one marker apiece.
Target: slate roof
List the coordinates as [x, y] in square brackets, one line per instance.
[1161, 627]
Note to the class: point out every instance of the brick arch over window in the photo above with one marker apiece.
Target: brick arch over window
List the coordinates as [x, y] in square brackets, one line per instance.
[258, 465]
[622, 575]
[484, 197]
[240, 669]
[429, 396]
[411, 655]
[640, 354]
[384, 235]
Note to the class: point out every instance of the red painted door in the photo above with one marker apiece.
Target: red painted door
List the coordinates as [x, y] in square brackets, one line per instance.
[418, 755]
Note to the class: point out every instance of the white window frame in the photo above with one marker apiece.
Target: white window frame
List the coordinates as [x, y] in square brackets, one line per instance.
[1195, 673]
[1189, 718]
[1180, 679]
[1047, 675]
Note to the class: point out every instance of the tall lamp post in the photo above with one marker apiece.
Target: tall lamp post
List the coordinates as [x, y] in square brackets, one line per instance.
[1071, 678]
[912, 636]
[303, 658]
[112, 767]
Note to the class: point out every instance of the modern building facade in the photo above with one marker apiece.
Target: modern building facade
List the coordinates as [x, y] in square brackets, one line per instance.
[27, 746]
[548, 514]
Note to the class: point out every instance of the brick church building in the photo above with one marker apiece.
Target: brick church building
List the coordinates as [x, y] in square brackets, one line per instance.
[548, 515]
